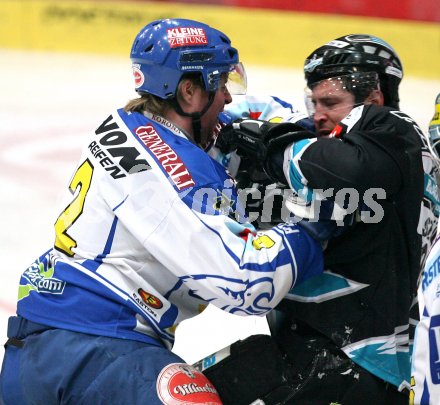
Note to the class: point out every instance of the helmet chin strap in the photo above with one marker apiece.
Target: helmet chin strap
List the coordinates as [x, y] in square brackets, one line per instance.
[195, 116]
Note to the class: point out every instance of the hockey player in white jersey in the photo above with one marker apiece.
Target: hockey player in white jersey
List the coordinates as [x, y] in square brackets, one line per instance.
[425, 372]
[150, 232]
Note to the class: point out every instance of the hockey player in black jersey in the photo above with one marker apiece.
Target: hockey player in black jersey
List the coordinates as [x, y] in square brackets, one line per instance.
[359, 183]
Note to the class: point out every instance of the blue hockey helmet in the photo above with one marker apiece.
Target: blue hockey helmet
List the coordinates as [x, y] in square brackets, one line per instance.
[354, 53]
[165, 50]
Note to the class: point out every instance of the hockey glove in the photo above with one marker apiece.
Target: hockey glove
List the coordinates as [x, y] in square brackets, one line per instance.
[262, 141]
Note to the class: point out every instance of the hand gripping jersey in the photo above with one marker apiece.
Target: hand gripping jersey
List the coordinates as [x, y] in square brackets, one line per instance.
[150, 232]
[267, 108]
[362, 301]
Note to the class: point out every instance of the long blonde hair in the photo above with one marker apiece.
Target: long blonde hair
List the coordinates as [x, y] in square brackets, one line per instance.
[148, 102]
[156, 105]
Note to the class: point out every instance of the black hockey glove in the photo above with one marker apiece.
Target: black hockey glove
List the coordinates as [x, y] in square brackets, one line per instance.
[263, 142]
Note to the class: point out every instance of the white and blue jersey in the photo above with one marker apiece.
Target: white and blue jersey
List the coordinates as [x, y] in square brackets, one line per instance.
[149, 233]
[425, 375]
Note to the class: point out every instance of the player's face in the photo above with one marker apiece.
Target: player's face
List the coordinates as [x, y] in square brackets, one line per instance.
[331, 103]
[209, 120]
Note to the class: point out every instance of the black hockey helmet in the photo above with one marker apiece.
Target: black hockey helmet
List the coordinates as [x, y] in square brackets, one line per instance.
[357, 53]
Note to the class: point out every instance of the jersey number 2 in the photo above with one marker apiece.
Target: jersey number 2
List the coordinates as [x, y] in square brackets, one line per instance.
[79, 186]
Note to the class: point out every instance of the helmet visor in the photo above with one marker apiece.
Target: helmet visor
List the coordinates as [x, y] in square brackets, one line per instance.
[237, 79]
[341, 92]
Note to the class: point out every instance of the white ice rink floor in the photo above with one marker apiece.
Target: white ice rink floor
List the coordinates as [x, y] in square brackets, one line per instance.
[48, 103]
